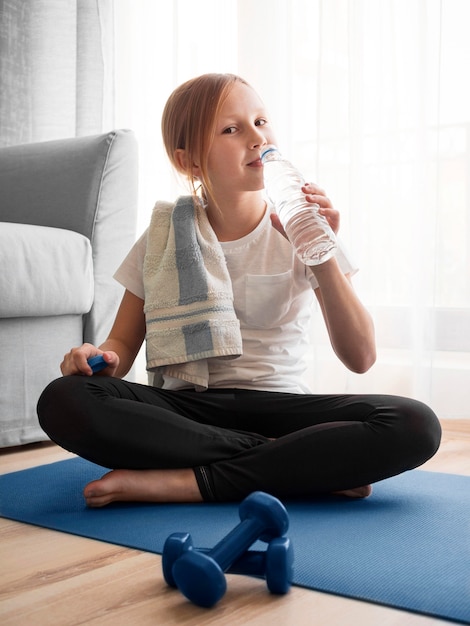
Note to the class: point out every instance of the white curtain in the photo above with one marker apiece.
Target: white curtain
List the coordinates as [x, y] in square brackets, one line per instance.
[56, 69]
[370, 99]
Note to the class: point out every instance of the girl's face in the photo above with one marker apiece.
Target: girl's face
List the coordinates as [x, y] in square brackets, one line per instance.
[241, 131]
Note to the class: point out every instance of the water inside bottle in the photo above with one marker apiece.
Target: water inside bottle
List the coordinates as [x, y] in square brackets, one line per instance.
[312, 244]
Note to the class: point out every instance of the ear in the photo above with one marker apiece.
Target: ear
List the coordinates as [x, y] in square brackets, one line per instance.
[181, 158]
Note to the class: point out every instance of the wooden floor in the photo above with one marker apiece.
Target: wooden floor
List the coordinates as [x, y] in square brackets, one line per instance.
[51, 578]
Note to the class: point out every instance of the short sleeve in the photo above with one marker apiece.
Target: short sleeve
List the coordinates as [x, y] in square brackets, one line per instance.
[130, 273]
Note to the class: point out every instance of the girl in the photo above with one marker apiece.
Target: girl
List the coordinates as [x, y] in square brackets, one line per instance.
[224, 305]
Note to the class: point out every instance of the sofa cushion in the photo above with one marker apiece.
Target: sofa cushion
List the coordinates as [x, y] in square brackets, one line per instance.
[44, 271]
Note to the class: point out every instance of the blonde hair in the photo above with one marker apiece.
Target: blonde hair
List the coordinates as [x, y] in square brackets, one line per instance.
[188, 123]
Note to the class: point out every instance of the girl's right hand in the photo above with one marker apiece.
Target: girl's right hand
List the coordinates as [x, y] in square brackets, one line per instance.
[76, 361]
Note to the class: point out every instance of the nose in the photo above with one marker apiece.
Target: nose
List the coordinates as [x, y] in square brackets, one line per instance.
[258, 138]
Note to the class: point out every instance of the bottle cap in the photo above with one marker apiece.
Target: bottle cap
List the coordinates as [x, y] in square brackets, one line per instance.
[269, 148]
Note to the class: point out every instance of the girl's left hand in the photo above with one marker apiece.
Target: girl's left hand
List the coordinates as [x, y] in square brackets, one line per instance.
[314, 195]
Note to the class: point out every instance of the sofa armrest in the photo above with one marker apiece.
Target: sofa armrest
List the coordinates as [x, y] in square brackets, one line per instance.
[58, 183]
[84, 184]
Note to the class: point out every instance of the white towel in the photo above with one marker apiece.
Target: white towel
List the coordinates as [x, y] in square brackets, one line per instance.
[188, 294]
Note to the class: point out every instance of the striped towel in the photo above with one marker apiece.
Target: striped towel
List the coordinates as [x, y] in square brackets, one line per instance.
[188, 295]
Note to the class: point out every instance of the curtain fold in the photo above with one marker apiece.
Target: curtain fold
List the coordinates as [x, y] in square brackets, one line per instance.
[56, 69]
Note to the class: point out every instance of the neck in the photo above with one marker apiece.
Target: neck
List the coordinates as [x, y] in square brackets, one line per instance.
[236, 218]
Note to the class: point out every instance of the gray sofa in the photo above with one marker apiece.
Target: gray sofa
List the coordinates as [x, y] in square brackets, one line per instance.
[67, 219]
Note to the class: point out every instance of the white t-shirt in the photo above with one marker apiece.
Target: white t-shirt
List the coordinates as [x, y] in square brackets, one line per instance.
[273, 296]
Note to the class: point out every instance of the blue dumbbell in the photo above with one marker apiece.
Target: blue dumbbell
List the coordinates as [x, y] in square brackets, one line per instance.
[97, 363]
[200, 576]
[275, 564]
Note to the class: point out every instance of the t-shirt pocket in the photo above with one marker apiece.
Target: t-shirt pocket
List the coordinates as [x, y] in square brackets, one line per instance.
[268, 298]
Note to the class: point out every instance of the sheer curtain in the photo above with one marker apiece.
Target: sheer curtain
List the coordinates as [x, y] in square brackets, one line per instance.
[56, 69]
[370, 100]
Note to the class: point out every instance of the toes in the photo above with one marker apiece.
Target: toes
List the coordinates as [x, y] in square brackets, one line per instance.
[358, 492]
[98, 493]
[98, 501]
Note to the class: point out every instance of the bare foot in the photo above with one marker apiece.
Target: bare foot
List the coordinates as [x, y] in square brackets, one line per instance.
[143, 486]
[357, 492]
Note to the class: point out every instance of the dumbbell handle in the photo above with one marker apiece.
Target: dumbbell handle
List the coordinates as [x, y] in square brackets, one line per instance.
[251, 563]
[238, 540]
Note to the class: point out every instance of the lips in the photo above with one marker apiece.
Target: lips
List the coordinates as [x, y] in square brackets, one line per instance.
[256, 163]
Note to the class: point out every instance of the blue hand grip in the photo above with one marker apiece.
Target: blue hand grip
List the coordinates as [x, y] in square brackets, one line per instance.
[97, 363]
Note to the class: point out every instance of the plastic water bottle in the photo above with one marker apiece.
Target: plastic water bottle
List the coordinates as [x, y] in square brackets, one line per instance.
[307, 230]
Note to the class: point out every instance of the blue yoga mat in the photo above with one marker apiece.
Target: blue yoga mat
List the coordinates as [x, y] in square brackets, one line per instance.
[407, 546]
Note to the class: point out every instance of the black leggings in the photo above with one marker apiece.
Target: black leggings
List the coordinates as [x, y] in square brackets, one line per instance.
[322, 443]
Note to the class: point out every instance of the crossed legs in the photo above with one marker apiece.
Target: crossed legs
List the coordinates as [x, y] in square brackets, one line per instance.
[221, 445]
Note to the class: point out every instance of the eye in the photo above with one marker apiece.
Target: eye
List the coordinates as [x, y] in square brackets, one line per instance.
[261, 122]
[229, 131]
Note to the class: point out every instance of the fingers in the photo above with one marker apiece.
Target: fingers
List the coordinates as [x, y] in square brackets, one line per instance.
[333, 218]
[76, 361]
[316, 195]
[112, 360]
